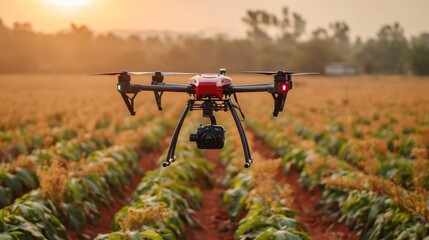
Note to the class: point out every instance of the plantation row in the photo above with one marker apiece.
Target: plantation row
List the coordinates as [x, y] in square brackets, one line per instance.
[63, 162]
[257, 192]
[27, 138]
[71, 193]
[375, 183]
[74, 183]
[22, 154]
[53, 109]
[166, 199]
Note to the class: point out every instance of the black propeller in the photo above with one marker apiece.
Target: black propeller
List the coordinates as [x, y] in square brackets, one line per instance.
[106, 73]
[162, 73]
[140, 73]
[281, 72]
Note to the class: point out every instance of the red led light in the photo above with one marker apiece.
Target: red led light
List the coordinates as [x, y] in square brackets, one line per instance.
[283, 87]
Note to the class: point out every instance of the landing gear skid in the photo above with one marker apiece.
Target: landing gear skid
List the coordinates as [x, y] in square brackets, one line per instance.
[208, 106]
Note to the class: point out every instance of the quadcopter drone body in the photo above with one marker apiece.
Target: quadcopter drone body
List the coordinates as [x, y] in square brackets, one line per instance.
[209, 92]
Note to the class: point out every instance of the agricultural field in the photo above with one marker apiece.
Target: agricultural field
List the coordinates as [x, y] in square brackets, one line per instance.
[348, 158]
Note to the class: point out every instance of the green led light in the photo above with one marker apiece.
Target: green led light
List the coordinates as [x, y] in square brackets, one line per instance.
[119, 87]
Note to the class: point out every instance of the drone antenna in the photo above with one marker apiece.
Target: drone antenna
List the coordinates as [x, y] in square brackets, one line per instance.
[222, 71]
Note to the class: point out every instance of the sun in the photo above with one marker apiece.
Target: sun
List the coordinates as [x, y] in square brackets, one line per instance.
[68, 4]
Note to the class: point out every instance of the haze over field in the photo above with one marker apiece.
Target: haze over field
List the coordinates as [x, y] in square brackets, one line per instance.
[76, 36]
[190, 16]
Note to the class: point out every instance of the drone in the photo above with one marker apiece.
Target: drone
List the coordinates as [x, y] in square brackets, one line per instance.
[209, 92]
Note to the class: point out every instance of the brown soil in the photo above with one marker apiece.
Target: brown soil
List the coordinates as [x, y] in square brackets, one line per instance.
[306, 203]
[147, 162]
[213, 217]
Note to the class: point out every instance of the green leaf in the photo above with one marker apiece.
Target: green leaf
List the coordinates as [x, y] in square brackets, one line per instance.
[76, 189]
[5, 236]
[5, 196]
[286, 235]
[13, 183]
[266, 235]
[76, 217]
[24, 226]
[237, 205]
[247, 225]
[27, 177]
[136, 236]
[151, 234]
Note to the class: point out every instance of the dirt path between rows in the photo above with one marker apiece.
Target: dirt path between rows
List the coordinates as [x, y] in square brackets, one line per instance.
[213, 217]
[147, 162]
[306, 203]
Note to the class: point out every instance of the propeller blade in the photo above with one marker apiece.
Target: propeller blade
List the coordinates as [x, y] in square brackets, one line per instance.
[261, 72]
[104, 74]
[142, 73]
[177, 73]
[308, 73]
[285, 72]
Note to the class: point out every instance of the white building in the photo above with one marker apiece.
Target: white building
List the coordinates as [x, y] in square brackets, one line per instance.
[339, 68]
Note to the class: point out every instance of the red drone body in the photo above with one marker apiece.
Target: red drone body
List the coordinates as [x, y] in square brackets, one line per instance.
[210, 93]
[209, 85]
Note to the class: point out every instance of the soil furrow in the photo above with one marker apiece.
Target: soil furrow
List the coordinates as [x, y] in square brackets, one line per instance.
[212, 217]
[306, 202]
[147, 162]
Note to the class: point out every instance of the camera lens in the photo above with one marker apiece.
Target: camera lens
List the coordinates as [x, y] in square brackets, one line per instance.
[208, 140]
[193, 137]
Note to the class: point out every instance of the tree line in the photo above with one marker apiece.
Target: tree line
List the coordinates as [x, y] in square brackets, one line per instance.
[273, 42]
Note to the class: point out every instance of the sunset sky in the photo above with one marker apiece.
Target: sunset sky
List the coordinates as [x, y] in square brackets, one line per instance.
[365, 17]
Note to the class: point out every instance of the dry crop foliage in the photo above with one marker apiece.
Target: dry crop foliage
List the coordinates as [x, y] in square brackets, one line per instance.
[53, 180]
[136, 218]
[365, 140]
[413, 201]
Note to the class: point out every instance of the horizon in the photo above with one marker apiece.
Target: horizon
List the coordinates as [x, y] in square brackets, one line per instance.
[52, 16]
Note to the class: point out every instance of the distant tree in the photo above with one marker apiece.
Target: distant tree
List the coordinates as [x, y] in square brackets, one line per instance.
[2, 26]
[284, 25]
[79, 42]
[298, 26]
[313, 55]
[259, 21]
[418, 55]
[358, 43]
[291, 27]
[391, 33]
[340, 34]
[391, 48]
[23, 51]
[320, 33]
[386, 53]
[5, 42]
[325, 47]
[367, 56]
[79, 50]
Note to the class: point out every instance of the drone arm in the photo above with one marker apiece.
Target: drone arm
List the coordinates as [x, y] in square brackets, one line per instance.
[278, 91]
[251, 88]
[162, 88]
